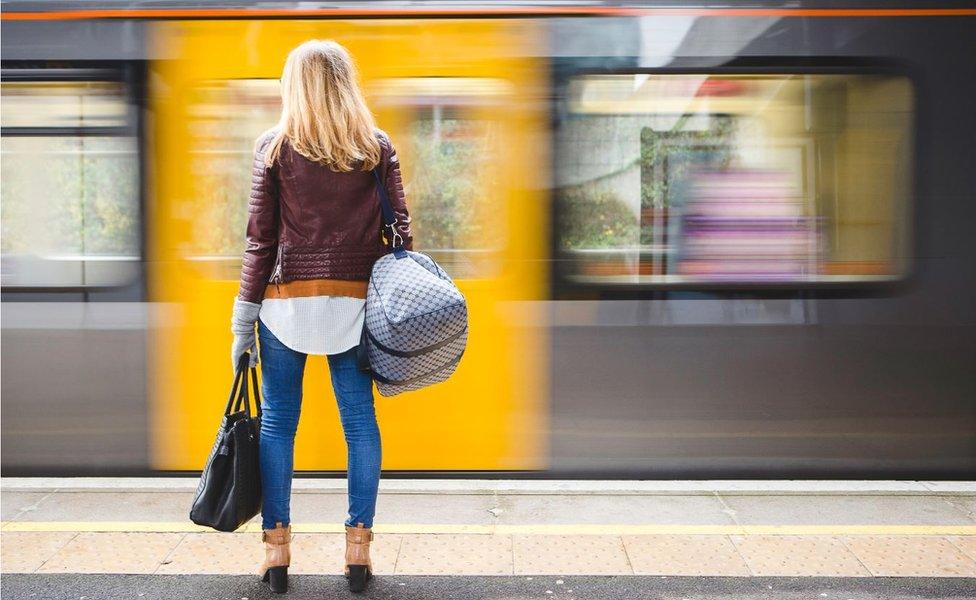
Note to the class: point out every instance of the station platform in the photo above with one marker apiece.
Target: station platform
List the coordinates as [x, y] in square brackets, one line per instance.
[508, 539]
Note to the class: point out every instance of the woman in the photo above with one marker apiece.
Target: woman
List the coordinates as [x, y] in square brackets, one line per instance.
[314, 231]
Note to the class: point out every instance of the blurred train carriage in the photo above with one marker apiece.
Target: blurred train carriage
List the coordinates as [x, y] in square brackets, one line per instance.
[697, 242]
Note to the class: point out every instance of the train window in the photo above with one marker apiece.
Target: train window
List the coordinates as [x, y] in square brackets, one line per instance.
[59, 104]
[227, 116]
[697, 180]
[452, 187]
[69, 181]
[447, 131]
[451, 140]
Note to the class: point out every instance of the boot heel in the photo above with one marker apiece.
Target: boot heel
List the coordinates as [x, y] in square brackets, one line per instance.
[277, 579]
[358, 576]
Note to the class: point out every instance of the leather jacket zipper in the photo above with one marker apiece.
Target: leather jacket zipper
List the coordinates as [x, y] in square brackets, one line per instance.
[276, 275]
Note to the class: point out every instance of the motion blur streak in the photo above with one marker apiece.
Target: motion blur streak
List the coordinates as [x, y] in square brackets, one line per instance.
[487, 10]
[696, 241]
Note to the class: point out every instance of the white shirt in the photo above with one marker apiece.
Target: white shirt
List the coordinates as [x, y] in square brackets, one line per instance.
[315, 324]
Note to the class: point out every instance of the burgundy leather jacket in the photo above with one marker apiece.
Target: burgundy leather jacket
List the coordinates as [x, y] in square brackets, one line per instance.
[306, 221]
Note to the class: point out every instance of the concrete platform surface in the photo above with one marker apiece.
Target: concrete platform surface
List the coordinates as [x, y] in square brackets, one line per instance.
[482, 527]
[210, 587]
[517, 486]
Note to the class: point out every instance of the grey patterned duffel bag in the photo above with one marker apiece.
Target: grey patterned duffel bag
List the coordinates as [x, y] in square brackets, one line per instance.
[416, 319]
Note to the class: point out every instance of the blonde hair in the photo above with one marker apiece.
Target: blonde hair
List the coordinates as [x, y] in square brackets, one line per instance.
[323, 113]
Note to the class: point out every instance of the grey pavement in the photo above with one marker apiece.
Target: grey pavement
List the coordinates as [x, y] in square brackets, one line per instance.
[212, 587]
[517, 486]
[848, 510]
[537, 507]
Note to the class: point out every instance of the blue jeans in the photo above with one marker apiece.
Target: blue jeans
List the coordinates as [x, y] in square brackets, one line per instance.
[282, 371]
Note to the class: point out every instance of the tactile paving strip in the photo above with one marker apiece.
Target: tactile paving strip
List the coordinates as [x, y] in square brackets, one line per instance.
[564, 554]
[684, 555]
[794, 555]
[448, 554]
[321, 553]
[215, 553]
[463, 554]
[325, 553]
[911, 556]
[966, 543]
[112, 553]
[25, 552]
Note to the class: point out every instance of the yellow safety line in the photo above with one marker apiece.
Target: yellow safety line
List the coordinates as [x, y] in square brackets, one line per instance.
[738, 529]
[567, 529]
[117, 526]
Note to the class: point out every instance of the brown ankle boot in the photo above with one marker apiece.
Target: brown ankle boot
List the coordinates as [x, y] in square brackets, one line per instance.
[359, 567]
[277, 557]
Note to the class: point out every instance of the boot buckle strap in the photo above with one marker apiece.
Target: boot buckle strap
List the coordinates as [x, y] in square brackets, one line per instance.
[264, 538]
[360, 539]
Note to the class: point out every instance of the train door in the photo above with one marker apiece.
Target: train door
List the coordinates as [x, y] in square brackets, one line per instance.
[460, 101]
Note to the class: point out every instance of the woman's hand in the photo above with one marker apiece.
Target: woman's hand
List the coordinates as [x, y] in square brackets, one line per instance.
[242, 324]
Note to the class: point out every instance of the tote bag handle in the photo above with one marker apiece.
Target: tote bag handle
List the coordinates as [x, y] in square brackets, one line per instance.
[240, 390]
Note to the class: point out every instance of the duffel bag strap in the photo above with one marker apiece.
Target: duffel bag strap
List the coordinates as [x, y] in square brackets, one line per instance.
[389, 217]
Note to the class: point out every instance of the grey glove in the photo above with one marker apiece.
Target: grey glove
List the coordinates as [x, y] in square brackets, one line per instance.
[242, 324]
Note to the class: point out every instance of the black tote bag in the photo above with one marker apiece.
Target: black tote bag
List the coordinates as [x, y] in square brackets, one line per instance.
[229, 494]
